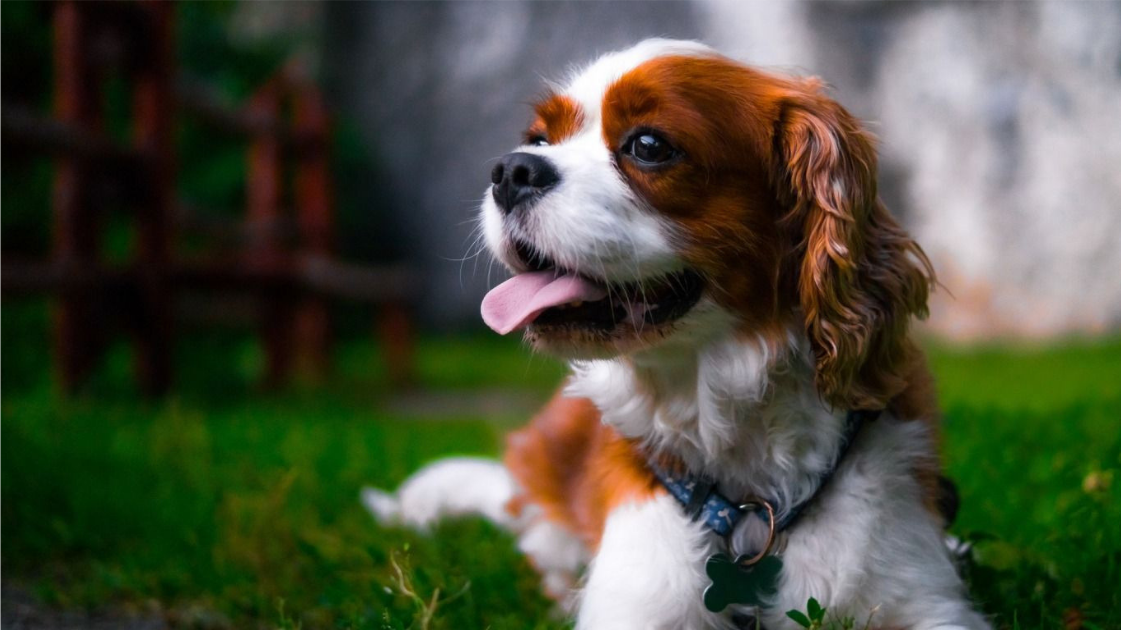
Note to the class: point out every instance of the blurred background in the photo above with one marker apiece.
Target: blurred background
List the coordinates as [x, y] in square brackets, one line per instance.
[240, 281]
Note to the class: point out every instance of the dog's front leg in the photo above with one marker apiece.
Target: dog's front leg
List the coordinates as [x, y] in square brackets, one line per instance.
[649, 571]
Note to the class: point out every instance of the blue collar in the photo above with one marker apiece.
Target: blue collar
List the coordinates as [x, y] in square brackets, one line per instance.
[698, 495]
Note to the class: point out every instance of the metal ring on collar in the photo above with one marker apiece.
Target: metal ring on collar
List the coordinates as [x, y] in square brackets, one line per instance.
[753, 506]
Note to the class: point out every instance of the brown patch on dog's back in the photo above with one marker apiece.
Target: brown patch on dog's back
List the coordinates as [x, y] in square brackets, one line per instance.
[576, 468]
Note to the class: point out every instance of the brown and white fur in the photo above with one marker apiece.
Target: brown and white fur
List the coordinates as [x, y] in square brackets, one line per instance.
[809, 287]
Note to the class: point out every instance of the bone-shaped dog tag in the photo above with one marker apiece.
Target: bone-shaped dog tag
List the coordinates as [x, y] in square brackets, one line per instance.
[734, 583]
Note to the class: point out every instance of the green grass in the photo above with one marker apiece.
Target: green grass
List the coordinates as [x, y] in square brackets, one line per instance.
[229, 506]
[1033, 439]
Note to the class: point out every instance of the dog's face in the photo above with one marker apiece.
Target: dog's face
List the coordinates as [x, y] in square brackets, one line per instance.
[669, 195]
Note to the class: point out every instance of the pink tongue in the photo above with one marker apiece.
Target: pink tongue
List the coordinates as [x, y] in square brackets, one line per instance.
[518, 301]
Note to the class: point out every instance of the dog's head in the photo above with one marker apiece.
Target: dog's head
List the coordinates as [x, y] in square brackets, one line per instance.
[670, 195]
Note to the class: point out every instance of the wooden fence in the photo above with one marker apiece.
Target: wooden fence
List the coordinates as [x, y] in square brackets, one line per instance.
[283, 259]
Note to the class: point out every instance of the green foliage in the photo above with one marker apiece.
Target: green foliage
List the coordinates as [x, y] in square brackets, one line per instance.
[25, 181]
[212, 166]
[812, 619]
[232, 507]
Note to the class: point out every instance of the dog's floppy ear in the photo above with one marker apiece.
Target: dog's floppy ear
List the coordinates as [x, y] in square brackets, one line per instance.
[860, 277]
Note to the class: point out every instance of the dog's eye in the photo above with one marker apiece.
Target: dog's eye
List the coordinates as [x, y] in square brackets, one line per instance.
[538, 141]
[649, 149]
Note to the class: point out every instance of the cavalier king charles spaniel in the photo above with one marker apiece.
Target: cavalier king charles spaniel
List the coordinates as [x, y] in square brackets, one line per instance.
[747, 424]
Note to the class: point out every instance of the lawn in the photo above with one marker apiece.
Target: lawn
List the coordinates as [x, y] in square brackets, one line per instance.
[223, 505]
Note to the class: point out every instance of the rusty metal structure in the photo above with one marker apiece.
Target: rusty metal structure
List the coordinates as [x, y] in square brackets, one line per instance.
[285, 260]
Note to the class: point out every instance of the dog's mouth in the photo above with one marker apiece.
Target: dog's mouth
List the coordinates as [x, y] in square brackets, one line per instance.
[550, 300]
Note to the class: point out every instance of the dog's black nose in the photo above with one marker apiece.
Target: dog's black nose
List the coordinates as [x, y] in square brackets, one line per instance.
[520, 177]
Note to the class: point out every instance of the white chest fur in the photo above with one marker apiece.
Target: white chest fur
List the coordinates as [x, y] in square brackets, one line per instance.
[735, 410]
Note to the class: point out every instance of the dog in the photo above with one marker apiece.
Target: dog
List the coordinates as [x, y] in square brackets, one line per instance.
[747, 424]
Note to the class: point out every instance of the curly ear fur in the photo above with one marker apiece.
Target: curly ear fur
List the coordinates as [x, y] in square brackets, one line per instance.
[860, 277]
